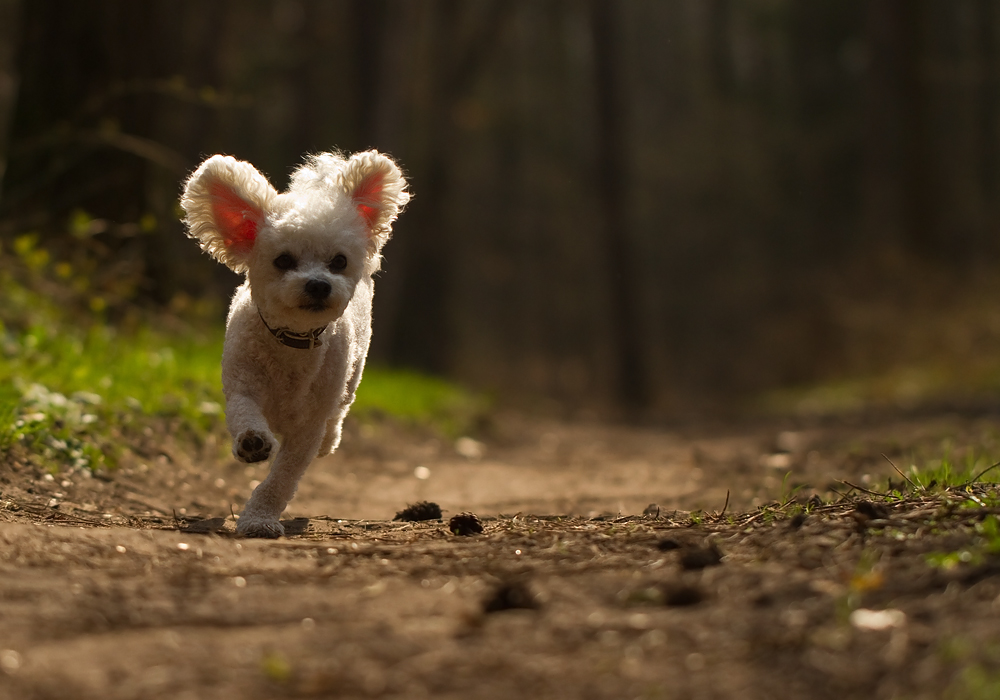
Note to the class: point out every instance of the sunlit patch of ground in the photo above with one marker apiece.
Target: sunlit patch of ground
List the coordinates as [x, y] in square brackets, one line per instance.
[755, 562]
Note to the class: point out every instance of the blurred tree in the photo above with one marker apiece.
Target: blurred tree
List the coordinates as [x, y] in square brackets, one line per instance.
[82, 136]
[721, 45]
[370, 18]
[900, 201]
[612, 199]
[82, 109]
[9, 23]
[463, 37]
[989, 120]
[613, 179]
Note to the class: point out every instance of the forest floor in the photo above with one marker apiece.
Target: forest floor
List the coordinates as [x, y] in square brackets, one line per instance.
[769, 567]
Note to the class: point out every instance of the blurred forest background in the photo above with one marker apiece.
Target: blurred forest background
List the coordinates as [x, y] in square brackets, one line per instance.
[656, 204]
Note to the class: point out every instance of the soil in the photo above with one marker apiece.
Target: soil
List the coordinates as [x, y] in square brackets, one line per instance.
[613, 562]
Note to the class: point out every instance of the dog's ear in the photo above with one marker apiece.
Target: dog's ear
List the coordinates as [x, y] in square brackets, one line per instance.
[378, 190]
[225, 202]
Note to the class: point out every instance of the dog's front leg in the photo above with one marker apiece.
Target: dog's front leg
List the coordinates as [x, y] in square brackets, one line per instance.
[252, 438]
[260, 516]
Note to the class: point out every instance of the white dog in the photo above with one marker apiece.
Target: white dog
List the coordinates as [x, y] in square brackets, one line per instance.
[299, 326]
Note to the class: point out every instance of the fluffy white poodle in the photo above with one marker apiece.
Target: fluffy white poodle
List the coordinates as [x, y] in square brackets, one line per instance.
[299, 326]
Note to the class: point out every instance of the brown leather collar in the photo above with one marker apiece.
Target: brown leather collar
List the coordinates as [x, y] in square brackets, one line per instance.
[299, 341]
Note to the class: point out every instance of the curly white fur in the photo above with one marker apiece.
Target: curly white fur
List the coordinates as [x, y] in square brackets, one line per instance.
[309, 254]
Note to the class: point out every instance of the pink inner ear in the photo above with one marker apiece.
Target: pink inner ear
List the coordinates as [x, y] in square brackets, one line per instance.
[236, 219]
[366, 198]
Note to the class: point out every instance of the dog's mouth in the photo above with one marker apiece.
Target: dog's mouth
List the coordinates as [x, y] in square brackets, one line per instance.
[315, 307]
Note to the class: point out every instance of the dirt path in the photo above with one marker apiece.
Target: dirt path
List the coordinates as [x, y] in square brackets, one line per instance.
[130, 585]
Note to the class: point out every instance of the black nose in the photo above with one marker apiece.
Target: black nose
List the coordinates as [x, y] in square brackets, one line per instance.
[318, 289]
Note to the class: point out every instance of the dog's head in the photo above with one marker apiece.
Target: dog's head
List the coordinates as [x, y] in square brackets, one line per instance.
[304, 250]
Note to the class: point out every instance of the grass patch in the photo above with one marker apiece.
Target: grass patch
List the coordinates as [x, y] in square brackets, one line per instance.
[946, 473]
[76, 389]
[70, 397]
[419, 399]
[66, 394]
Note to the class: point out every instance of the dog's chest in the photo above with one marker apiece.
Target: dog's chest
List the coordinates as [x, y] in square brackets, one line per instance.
[306, 384]
[295, 385]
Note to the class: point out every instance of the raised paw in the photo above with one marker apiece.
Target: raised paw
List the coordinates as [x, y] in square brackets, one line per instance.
[252, 446]
[267, 528]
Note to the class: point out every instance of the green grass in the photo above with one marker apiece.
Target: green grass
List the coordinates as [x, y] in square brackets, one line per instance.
[65, 396]
[417, 398]
[976, 668]
[69, 395]
[946, 473]
[985, 543]
[74, 389]
[143, 370]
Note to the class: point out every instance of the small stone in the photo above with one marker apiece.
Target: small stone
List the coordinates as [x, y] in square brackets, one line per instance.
[10, 661]
[867, 510]
[510, 596]
[668, 544]
[469, 448]
[681, 595]
[701, 557]
[865, 619]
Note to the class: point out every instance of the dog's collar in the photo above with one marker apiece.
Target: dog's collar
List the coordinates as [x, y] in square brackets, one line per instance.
[299, 341]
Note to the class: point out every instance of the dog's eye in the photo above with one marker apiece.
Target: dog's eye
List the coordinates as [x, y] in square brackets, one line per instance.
[339, 262]
[285, 262]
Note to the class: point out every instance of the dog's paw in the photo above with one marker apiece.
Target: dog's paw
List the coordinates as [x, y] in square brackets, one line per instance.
[251, 446]
[266, 528]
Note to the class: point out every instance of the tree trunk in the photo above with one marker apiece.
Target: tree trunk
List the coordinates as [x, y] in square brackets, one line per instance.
[9, 24]
[424, 334]
[989, 114]
[899, 196]
[721, 46]
[370, 19]
[632, 384]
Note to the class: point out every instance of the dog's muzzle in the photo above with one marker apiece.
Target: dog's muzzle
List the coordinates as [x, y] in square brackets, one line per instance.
[317, 295]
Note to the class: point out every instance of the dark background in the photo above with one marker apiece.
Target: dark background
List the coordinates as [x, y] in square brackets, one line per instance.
[654, 204]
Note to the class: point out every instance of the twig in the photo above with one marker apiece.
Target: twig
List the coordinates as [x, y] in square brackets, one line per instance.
[725, 505]
[978, 476]
[912, 485]
[843, 496]
[862, 488]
